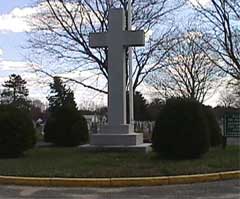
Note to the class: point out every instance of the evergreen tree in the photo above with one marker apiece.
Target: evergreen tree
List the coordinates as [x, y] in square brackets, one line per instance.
[60, 95]
[65, 125]
[15, 92]
[154, 108]
[140, 107]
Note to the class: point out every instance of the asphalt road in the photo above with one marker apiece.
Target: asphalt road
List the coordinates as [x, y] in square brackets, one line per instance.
[214, 190]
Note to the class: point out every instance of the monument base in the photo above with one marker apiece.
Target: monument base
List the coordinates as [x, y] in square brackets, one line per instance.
[130, 139]
[116, 138]
[143, 148]
[119, 129]
[119, 135]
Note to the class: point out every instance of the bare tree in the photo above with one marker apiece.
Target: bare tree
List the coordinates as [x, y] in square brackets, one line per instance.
[222, 17]
[226, 99]
[237, 94]
[230, 96]
[61, 30]
[188, 72]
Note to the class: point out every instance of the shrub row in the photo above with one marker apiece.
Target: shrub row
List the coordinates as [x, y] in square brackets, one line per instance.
[65, 127]
[184, 129]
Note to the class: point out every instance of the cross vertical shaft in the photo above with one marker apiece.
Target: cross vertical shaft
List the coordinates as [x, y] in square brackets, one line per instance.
[116, 70]
[117, 40]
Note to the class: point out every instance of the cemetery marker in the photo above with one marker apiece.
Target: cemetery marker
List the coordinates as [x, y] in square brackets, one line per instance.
[117, 39]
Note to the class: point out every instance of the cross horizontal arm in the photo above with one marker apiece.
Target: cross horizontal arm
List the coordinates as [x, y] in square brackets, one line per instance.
[98, 40]
[134, 38]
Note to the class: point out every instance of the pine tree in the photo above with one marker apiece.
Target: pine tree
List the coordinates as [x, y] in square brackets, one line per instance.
[65, 125]
[60, 95]
[140, 107]
[15, 92]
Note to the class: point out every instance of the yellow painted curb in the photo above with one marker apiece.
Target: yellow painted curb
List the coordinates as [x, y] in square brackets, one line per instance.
[80, 182]
[143, 181]
[230, 175]
[24, 181]
[186, 179]
[119, 182]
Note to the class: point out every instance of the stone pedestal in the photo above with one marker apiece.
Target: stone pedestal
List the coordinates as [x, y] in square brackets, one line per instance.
[142, 148]
[116, 135]
[117, 139]
[130, 139]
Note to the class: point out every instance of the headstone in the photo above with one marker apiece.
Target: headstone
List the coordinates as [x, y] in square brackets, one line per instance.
[117, 132]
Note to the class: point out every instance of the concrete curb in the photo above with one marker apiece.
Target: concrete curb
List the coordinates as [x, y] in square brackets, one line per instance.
[119, 182]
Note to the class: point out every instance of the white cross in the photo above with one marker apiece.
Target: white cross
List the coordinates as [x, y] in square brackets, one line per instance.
[117, 39]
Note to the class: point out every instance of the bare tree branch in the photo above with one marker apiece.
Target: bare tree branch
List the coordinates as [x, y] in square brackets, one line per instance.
[223, 18]
[61, 30]
[188, 72]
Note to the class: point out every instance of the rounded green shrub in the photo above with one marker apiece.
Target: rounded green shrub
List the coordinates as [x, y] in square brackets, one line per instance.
[213, 127]
[66, 127]
[181, 131]
[17, 133]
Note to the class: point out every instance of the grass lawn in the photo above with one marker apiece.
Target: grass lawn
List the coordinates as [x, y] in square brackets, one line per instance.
[70, 162]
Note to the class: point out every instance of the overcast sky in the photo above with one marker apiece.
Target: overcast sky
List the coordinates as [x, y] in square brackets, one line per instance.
[13, 14]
